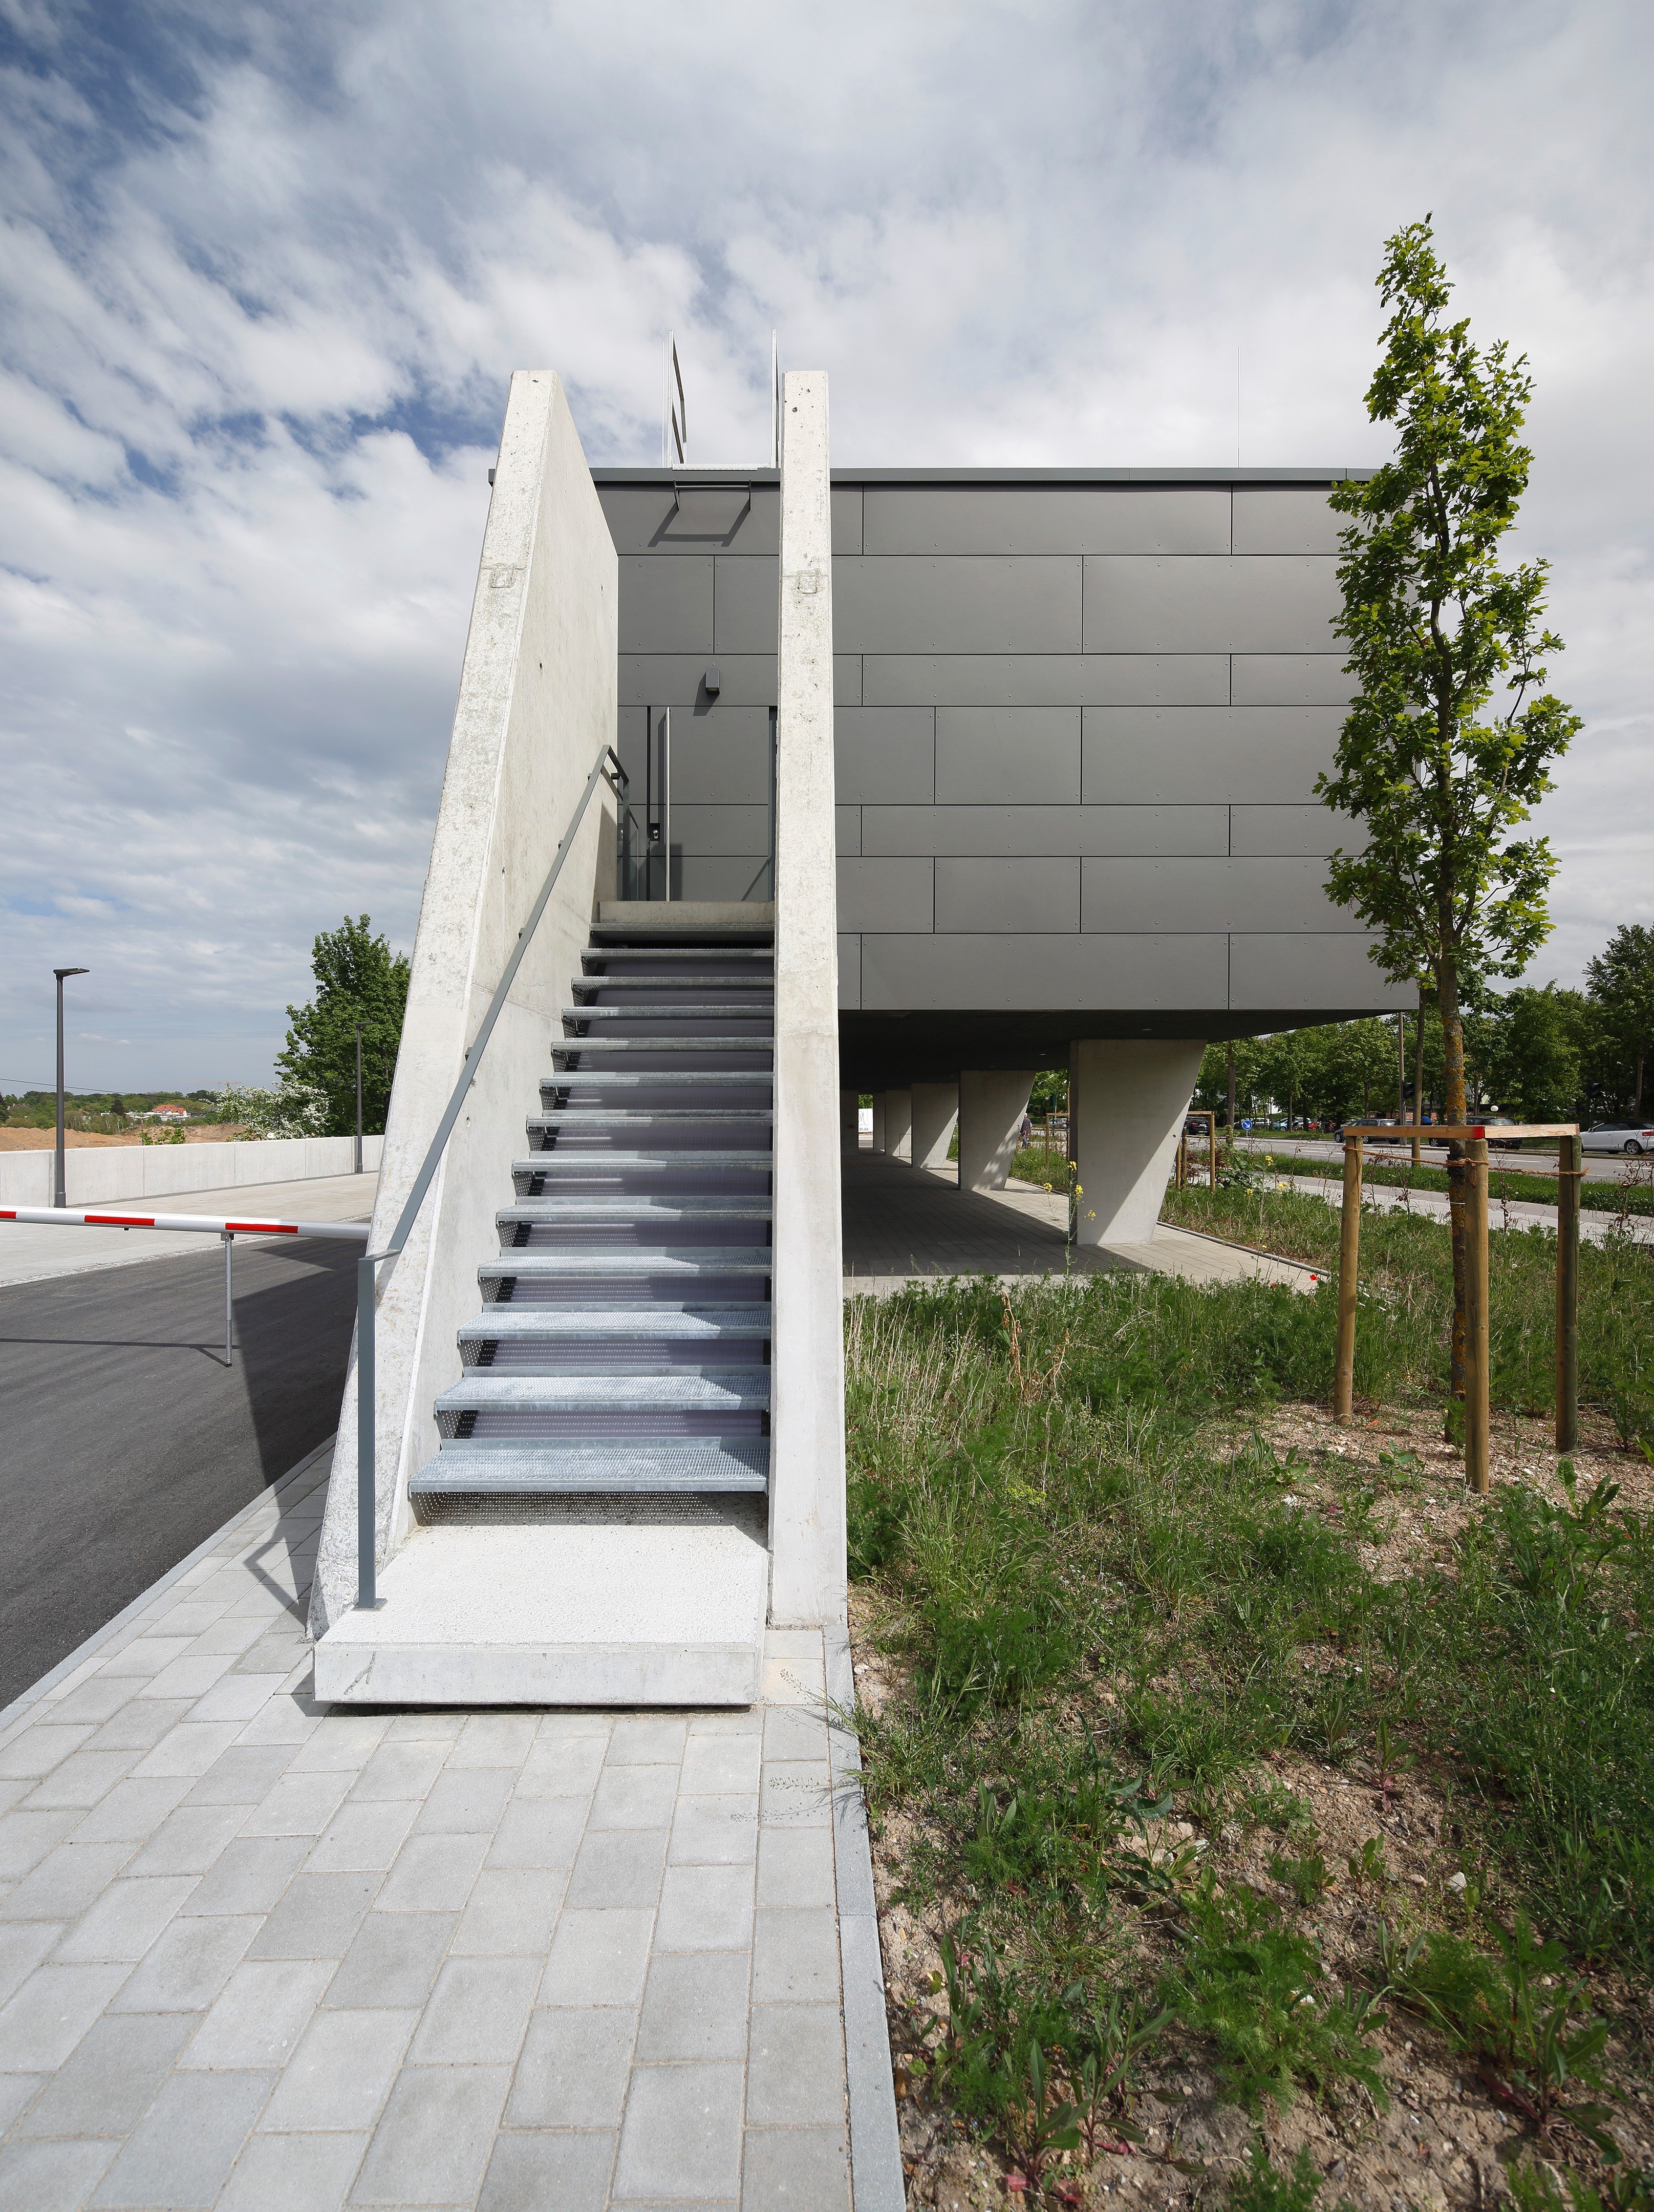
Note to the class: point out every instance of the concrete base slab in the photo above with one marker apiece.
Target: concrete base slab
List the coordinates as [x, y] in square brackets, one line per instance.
[571, 1613]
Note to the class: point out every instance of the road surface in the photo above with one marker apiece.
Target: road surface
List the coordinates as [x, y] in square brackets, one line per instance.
[127, 1441]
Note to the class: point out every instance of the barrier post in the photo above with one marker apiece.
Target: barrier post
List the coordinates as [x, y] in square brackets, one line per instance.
[1476, 1315]
[1350, 1258]
[1569, 1170]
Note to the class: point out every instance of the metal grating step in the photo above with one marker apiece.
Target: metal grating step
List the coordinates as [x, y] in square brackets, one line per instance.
[665, 1011]
[574, 1470]
[737, 1390]
[709, 1045]
[699, 1324]
[697, 1079]
[668, 1161]
[642, 1211]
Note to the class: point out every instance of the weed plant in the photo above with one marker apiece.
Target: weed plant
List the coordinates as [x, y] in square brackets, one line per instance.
[1098, 1611]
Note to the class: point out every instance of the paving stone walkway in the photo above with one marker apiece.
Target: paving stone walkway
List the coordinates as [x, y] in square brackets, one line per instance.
[254, 1953]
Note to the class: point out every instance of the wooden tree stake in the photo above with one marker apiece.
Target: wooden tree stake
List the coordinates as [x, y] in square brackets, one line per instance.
[1350, 1258]
[1474, 1173]
[1569, 1170]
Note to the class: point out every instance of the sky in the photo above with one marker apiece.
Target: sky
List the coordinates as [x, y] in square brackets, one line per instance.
[265, 270]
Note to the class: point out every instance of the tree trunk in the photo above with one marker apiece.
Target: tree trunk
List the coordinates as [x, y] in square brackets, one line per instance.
[1418, 1079]
[1452, 1049]
[1231, 1093]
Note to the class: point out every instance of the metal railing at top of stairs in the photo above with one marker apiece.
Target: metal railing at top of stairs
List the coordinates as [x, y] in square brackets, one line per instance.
[605, 769]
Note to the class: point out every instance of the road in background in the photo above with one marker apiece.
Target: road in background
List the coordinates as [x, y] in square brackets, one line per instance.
[1600, 1167]
[128, 1440]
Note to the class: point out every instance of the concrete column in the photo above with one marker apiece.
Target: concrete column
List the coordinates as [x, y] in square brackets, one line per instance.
[991, 1104]
[935, 1109]
[806, 1383]
[1127, 1101]
[897, 1123]
[878, 1120]
[849, 1126]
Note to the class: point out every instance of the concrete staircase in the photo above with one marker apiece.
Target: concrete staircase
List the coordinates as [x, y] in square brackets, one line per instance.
[592, 1527]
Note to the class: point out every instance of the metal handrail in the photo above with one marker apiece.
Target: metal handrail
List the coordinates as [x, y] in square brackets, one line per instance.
[607, 769]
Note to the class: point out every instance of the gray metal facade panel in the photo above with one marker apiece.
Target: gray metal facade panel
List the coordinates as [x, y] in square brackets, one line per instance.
[1314, 973]
[963, 604]
[1291, 679]
[981, 832]
[1275, 603]
[666, 607]
[1273, 830]
[884, 754]
[1026, 897]
[748, 605]
[722, 830]
[1023, 518]
[847, 831]
[1007, 754]
[730, 517]
[669, 679]
[1050, 679]
[1015, 973]
[717, 877]
[885, 895]
[1141, 756]
[1279, 519]
[720, 758]
[1274, 896]
[850, 971]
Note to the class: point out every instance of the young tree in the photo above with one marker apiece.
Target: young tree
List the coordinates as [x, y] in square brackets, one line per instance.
[358, 979]
[1449, 742]
[1621, 978]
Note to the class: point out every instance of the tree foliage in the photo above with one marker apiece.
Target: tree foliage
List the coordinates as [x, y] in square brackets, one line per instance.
[1449, 742]
[358, 979]
[1622, 985]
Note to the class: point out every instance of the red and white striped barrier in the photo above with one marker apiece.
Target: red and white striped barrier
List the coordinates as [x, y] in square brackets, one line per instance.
[78, 1216]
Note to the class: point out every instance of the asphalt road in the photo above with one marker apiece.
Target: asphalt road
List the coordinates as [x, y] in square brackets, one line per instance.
[1600, 1167]
[127, 1441]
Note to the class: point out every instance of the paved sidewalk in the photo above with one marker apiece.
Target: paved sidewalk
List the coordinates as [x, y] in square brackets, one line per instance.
[257, 1954]
[35, 1251]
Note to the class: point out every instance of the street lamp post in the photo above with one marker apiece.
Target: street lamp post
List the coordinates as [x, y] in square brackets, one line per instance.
[359, 1098]
[60, 1195]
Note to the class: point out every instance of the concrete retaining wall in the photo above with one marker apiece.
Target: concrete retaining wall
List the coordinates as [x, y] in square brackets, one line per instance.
[97, 1175]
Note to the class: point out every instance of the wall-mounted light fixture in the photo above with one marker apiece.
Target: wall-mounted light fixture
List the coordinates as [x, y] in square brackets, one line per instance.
[712, 680]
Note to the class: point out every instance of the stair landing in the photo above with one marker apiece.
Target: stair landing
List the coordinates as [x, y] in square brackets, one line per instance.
[575, 1613]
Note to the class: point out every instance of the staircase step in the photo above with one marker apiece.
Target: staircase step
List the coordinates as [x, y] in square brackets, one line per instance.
[559, 1615]
[699, 1324]
[669, 1263]
[633, 1120]
[666, 1011]
[641, 1209]
[737, 1390]
[674, 988]
[699, 1079]
[541, 1470]
[560, 1161]
[722, 1043]
[662, 954]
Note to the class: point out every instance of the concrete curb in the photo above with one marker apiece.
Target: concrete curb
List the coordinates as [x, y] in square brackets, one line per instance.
[876, 2181]
[22, 1707]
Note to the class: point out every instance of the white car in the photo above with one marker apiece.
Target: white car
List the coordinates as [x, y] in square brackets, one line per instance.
[1617, 1137]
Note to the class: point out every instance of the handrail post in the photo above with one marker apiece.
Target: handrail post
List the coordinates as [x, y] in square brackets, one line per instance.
[1349, 1257]
[1570, 1168]
[367, 1598]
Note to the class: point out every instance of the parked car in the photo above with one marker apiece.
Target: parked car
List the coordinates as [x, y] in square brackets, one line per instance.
[1631, 1137]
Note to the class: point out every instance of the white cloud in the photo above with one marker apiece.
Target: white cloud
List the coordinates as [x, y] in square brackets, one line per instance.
[267, 270]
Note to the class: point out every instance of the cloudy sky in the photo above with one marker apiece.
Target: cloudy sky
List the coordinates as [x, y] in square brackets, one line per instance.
[266, 270]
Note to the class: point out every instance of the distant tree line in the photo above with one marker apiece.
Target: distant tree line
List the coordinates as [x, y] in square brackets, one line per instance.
[1541, 1054]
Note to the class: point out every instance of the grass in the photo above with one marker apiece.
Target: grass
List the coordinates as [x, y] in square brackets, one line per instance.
[1631, 1194]
[1097, 1610]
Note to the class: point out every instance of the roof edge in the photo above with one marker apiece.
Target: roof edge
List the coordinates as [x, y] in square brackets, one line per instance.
[1214, 476]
